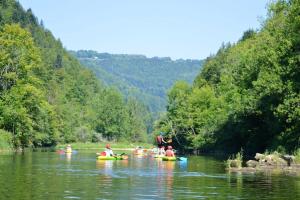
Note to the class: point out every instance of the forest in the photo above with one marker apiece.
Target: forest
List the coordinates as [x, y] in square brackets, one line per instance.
[48, 97]
[246, 96]
[146, 79]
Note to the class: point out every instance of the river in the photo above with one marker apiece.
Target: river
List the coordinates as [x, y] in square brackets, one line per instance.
[48, 175]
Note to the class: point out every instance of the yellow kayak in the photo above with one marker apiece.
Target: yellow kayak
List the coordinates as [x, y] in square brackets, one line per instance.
[123, 157]
[107, 158]
[68, 151]
[165, 158]
[139, 154]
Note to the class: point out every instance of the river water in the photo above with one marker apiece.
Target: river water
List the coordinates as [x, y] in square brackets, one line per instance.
[48, 175]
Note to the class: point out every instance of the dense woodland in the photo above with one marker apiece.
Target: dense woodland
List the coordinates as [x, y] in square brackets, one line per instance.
[47, 97]
[247, 95]
[146, 79]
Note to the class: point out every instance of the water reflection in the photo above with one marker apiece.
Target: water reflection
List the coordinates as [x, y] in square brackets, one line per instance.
[124, 163]
[68, 157]
[169, 167]
[53, 177]
[105, 166]
[138, 161]
[183, 164]
[105, 180]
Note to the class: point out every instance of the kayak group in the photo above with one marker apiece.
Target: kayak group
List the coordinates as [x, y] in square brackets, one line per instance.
[108, 154]
[164, 151]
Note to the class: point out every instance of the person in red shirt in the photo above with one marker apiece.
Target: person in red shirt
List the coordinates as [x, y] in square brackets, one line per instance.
[170, 152]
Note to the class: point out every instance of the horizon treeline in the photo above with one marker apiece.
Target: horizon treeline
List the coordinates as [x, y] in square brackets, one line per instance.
[247, 95]
[48, 97]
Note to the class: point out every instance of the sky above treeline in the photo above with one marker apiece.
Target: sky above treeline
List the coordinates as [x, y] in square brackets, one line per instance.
[192, 29]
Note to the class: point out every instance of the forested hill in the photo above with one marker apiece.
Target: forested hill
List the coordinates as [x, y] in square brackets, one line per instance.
[147, 79]
[247, 96]
[48, 97]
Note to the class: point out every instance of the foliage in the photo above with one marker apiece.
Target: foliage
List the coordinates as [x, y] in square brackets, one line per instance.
[297, 156]
[235, 161]
[5, 140]
[247, 95]
[146, 79]
[48, 97]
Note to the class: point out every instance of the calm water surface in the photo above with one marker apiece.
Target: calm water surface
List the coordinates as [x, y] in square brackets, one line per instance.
[48, 175]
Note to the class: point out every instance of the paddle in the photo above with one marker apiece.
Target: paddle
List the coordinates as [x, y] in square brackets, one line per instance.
[125, 157]
[122, 155]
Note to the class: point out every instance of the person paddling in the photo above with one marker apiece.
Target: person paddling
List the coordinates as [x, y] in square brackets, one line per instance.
[170, 152]
[68, 149]
[107, 151]
[160, 143]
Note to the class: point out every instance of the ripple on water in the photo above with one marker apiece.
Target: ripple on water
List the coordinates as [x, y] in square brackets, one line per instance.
[201, 174]
[71, 197]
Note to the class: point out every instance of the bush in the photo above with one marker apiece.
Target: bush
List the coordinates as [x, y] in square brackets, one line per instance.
[5, 140]
[235, 161]
[83, 134]
[297, 156]
[97, 137]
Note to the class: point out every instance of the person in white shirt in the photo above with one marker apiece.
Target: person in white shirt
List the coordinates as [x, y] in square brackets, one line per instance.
[108, 150]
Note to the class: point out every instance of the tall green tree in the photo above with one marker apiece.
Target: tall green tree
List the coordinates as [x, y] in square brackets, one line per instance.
[247, 95]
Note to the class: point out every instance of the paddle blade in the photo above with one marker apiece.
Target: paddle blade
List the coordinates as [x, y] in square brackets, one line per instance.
[184, 159]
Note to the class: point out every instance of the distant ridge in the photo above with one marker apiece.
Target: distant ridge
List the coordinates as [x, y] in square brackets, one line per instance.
[147, 79]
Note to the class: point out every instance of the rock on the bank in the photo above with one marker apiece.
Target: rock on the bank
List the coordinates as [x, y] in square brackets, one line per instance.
[274, 160]
[259, 156]
[235, 163]
[251, 163]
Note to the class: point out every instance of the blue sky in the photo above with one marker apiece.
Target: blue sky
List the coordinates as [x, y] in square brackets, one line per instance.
[166, 28]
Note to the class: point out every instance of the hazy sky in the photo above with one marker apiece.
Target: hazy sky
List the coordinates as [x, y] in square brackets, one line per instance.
[173, 28]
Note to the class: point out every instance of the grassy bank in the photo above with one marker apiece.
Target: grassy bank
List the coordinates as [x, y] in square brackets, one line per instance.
[114, 145]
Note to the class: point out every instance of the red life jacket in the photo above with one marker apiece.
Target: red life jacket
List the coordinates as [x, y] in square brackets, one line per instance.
[103, 153]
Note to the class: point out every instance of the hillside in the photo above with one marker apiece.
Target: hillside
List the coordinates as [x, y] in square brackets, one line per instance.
[147, 79]
[48, 97]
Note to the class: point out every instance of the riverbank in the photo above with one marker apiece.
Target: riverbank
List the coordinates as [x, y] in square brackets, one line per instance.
[119, 146]
[114, 145]
[270, 163]
[6, 150]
